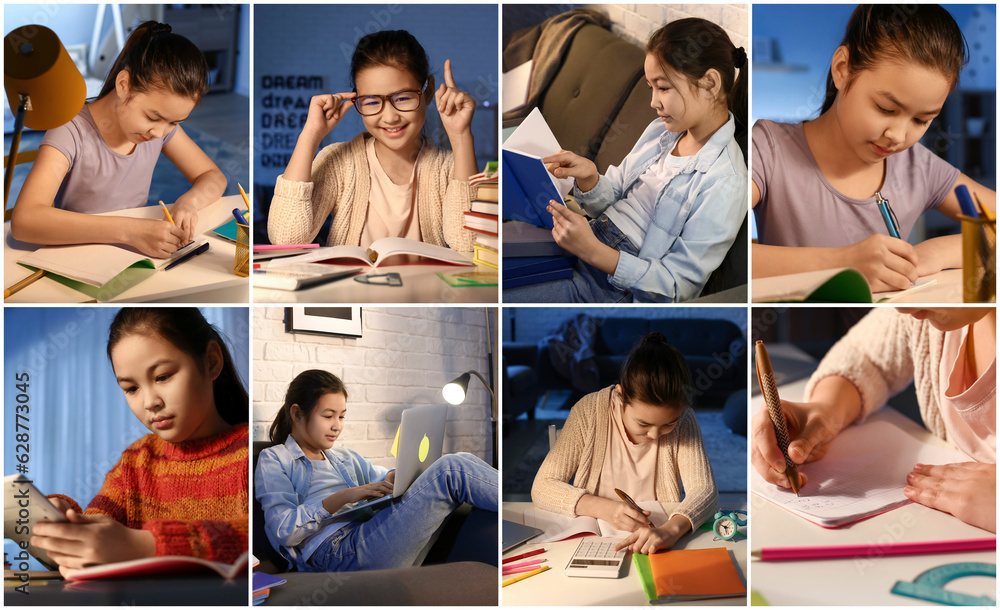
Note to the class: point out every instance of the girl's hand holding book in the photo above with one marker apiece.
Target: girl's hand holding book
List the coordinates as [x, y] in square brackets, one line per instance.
[155, 238]
[89, 540]
[455, 106]
[886, 262]
[565, 164]
[967, 490]
[325, 111]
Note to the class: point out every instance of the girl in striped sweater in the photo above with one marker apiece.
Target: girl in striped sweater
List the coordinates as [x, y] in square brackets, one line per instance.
[181, 490]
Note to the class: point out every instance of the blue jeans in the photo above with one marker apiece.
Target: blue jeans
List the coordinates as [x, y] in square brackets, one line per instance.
[588, 284]
[396, 535]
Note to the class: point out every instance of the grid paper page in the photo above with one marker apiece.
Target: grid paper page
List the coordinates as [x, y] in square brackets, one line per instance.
[862, 474]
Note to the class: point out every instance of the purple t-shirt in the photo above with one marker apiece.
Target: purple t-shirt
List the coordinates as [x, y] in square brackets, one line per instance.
[99, 179]
[798, 207]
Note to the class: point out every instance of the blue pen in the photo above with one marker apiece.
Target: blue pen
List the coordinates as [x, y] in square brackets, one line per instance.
[239, 217]
[965, 201]
[199, 250]
[887, 215]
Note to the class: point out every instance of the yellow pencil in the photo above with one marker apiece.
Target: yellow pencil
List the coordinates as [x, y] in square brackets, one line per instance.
[28, 280]
[244, 193]
[167, 213]
[521, 577]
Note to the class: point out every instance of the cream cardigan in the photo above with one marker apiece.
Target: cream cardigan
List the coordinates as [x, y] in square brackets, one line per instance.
[340, 186]
[581, 447]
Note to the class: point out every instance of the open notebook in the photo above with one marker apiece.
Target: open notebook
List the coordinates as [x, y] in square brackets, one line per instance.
[557, 527]
[862, 475]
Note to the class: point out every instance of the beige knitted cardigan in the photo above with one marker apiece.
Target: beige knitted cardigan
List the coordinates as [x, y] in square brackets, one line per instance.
[340, 186]
[581, 447]
[881, 354]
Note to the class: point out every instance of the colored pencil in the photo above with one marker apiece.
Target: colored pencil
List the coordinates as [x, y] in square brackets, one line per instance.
[166, 213]
[26, 281]
[521, 577]
[533, 562]
[524, 555]
[875, 551]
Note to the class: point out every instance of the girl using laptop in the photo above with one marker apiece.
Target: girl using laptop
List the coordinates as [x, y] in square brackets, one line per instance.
[639, 435]
[303, 481]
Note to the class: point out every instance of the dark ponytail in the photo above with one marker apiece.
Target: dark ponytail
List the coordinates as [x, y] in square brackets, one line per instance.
[305, 391]
[923, 33]
[156, 58]
[655, 373]
[191, 333]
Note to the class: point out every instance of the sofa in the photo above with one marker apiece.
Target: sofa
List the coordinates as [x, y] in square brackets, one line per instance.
[459, 569]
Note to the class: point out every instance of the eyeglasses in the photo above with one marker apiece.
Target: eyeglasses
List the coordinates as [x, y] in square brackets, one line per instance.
[403, 101]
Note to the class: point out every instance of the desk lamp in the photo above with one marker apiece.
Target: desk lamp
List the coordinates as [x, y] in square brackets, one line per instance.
[454, 392]
[42, 84]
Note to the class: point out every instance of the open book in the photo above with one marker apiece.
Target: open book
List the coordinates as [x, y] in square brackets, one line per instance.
[862, 475]
[171, 565]
[841, 285]
[556, 527]
[381, 251]
[528, 185]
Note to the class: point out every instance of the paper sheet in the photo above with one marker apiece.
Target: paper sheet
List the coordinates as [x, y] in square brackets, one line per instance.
[862, 474]
[560, 527]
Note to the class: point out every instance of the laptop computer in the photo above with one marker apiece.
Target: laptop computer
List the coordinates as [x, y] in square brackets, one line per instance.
[421, 441]
[515, 534]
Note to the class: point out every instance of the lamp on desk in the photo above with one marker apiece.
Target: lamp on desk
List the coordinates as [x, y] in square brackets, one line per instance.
[42, 84]
[454, 392]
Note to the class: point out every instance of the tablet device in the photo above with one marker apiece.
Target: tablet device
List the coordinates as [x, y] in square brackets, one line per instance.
[23, 507]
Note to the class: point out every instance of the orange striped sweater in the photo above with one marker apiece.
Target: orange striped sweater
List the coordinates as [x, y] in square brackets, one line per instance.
[193, 497]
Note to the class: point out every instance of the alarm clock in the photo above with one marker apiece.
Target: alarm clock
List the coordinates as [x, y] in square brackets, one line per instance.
[726, 522]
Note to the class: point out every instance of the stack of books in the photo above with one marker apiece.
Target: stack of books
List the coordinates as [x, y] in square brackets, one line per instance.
[262, 583]
[483, 218]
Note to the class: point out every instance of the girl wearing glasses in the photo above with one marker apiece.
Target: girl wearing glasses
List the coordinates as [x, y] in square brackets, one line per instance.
[390, 181]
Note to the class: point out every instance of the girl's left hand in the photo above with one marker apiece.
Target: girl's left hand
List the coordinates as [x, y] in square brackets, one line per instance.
[572, 231]
[185, 215]
[646, 540]
[967, 490]
[89, 540]
[455, 107]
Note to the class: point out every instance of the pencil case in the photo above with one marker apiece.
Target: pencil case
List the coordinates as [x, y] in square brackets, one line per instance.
[241, 265]
[979, 260]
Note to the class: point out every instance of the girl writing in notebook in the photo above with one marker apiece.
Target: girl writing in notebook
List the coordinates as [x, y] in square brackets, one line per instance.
[664, 219]
[302, 481]
[640, 436]
[182, 489]
[950, 356]
[103, 159]
[390, 181]
[817, 184]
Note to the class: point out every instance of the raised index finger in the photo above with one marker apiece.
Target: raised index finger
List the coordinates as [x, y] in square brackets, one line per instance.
[448, 80]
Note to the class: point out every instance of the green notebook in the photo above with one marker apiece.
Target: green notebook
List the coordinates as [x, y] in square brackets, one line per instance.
[842, 285]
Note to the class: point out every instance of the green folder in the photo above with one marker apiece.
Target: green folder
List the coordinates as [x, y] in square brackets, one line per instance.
[645, 576]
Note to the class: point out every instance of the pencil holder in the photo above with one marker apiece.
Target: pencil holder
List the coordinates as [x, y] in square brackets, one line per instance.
[979, 260]
[241, 267]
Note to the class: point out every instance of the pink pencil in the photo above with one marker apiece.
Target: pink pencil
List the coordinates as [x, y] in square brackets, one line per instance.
[874, 551]
[507, 571]
[533, 562]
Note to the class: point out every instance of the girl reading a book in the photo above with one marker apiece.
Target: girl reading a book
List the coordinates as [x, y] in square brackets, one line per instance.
[640, 436]
[665, 218]
[818, 185]
[303, 481]
[390, 181]
[182, 489]
[103, 159]
[950, 356]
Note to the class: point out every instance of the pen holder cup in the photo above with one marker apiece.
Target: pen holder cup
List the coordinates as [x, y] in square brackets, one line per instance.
[241, 266]
[979, 260]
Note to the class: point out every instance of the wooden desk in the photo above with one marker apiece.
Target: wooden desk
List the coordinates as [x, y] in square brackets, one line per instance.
[207, 278]
[172, 591]
[554, 588]
[420, 285]
[856, 581]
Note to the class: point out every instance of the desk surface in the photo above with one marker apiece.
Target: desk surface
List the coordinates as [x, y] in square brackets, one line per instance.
[420, 285]
[554, 588]
[207, 278]
[175, 591]
[824, 582]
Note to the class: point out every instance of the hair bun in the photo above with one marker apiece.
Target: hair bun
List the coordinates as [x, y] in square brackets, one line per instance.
[739, 57]
[158, 28]
[654, 338]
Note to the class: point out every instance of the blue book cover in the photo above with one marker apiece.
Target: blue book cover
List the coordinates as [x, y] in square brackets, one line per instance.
[531, 193]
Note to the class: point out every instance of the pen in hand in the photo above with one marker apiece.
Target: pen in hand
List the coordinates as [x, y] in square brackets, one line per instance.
[631, 503]
[765, 377]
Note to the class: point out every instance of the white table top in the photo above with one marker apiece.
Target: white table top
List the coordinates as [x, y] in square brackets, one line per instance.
[207, 278]
[420, 285]
[856, 581]
[554, 588]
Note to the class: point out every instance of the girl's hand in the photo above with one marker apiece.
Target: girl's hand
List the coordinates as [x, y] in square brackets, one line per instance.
[811, 427]
[390, 478]
[456, 107]
[625, 518]
[967, 490]
[325, 111]
[89, 540]
[647, 540]
[61, 504]
[565, 164]
[185, 215]
[378, 489]
[155, 238]
[886, 262]
[572, 231]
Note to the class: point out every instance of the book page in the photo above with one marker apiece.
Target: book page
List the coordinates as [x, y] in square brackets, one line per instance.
[557, 527]
[534, 137]
[862, 474]
[923, 282]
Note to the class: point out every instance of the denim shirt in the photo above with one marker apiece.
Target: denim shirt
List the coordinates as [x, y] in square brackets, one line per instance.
[281, 484]
[695, 220]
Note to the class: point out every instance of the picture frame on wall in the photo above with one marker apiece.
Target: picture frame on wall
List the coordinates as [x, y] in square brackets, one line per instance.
[341, 321]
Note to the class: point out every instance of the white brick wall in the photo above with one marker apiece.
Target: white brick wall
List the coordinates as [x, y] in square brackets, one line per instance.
[402, 359]
[636, 22]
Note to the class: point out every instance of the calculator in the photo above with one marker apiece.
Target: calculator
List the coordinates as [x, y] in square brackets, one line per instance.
[596, 558]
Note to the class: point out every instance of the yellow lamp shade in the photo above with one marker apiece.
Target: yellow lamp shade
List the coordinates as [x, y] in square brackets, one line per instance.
[36, 63]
